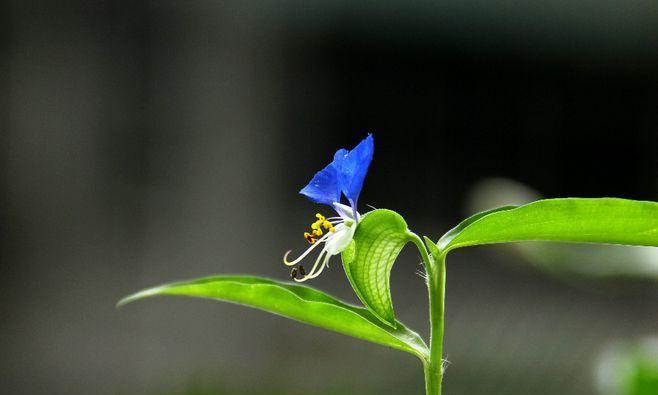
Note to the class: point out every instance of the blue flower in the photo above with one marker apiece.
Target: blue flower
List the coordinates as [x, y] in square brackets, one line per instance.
[343, 176]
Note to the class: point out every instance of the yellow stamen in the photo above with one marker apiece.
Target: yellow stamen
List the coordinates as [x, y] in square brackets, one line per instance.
[317, 227]
[309, 237]
[328, 226]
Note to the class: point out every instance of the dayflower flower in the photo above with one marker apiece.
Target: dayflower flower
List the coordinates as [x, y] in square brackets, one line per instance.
[343, 176]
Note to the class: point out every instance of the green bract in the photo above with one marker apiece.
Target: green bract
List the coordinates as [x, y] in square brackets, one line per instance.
[380, 236]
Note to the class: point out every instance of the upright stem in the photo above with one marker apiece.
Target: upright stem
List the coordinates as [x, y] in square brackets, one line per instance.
[436, 279]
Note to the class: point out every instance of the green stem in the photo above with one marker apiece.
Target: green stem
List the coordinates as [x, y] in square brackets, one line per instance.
[436, 279]
[436, 286]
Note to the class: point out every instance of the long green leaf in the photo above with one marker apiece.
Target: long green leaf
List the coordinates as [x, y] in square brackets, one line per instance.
[604, 220]
[293, 301]
[379, 237]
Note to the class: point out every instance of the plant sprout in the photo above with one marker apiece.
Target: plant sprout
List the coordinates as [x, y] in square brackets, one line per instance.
[369, 245]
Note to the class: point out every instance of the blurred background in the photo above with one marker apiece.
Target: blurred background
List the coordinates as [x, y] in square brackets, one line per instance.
[147, 141]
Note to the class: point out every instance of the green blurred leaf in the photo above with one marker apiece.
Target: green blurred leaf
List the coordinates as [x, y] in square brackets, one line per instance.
[629, 367]
[378, 239]
[293, 301]
[604, 220]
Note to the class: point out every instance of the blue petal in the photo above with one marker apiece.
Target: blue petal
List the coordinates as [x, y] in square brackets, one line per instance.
[352, 167]
[324, 187]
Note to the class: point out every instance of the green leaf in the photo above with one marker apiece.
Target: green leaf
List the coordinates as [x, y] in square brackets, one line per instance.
[454, 232]
[379, 237]
[604, 220]
[293, 301]
[629, 367]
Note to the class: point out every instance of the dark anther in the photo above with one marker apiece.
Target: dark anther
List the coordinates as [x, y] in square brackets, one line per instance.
[293, 273]
[302, 271]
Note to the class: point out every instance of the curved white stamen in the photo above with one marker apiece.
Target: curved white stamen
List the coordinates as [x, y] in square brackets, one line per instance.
[308, 251]
[314, 269]
[316, 264]
[314, 273]
[325, 264]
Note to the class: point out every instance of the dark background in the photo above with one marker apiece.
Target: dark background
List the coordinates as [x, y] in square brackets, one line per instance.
[143, 142]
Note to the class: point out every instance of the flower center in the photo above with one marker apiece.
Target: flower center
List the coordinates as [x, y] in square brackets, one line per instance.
[317, 228]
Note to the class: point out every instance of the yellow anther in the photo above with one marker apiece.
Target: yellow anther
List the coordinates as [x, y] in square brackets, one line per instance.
[309, 237]
[316, 228]
[328, 226]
